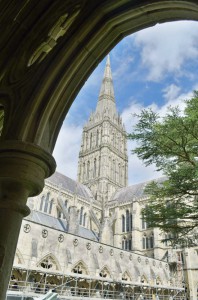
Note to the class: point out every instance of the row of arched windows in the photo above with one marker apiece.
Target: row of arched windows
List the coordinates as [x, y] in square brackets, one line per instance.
[127, 221]
[91, 171]
[117, 171]
[46, 204]
[92, 139]
[148, 242]
[127, 244]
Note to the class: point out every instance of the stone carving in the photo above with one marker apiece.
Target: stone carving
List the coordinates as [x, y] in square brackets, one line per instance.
[60, 238]
[26, 228]
[88, 246]
[75, 242]
[111, 252]
[100, 249]
[58, 30]
[44, 233]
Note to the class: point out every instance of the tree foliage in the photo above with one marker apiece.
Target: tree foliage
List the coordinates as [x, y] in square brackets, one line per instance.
[171, 143]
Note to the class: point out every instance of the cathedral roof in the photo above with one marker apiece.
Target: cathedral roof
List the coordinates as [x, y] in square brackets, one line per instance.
[63, 182]
[132, 193]
[59, 224]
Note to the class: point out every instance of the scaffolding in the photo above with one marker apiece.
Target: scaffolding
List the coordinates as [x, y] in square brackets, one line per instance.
[78, 286]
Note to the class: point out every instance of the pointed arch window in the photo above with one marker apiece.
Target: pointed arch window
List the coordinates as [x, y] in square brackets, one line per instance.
[81, 215]
[123, 223]
[84, 171]
[130, 222]
[50, 208]
[46, 203]
[97, 138]
[99, 166]
[94, 171]
[84, 219]
[42, 202]
[123, 244]
[88, 169]
[130, 244]
[127, 221]
[113, 170]
[80, 269]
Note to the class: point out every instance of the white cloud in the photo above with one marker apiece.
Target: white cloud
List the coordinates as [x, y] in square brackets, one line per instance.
[166, 47]
[171, 92]
[67, 149]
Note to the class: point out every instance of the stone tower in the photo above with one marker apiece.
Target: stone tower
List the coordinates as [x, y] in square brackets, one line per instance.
[103, 161]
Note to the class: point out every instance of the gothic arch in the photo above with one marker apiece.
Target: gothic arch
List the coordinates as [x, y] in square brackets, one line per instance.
[105, 272]
[91, 32]
[118, 19]
[80, 267]
[126, 276]
[144, 278]
[158, 280]
[49, 261]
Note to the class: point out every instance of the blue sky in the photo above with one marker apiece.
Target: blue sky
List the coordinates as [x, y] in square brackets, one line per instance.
[156, 67]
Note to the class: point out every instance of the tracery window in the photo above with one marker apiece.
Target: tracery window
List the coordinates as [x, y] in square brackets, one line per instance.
[105, 273]
[49, 263]
[80, 269]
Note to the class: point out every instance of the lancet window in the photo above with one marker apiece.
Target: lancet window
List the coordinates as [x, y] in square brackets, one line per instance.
[94, 170]
[46, 204]
[81, 215]
[84, 219]
[148, 242]
[88, 169]
[127, 243]
[127, 222]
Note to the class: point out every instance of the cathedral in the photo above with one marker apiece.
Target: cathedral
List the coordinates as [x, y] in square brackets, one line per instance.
[87, 238]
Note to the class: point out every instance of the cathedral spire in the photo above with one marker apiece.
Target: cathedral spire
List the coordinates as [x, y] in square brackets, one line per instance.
[106, 98]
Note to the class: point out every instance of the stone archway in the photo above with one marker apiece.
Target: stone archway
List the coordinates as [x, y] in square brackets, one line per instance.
[56, 46]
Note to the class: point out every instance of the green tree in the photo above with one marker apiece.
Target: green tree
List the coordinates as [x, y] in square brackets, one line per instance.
[171, 143]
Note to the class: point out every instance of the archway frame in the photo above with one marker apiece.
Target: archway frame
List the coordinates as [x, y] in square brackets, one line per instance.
[66, 67]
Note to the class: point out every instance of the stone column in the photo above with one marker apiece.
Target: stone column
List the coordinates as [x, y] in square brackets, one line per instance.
[23, 168]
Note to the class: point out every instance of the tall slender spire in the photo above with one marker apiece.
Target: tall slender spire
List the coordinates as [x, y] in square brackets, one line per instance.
[106, 98]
